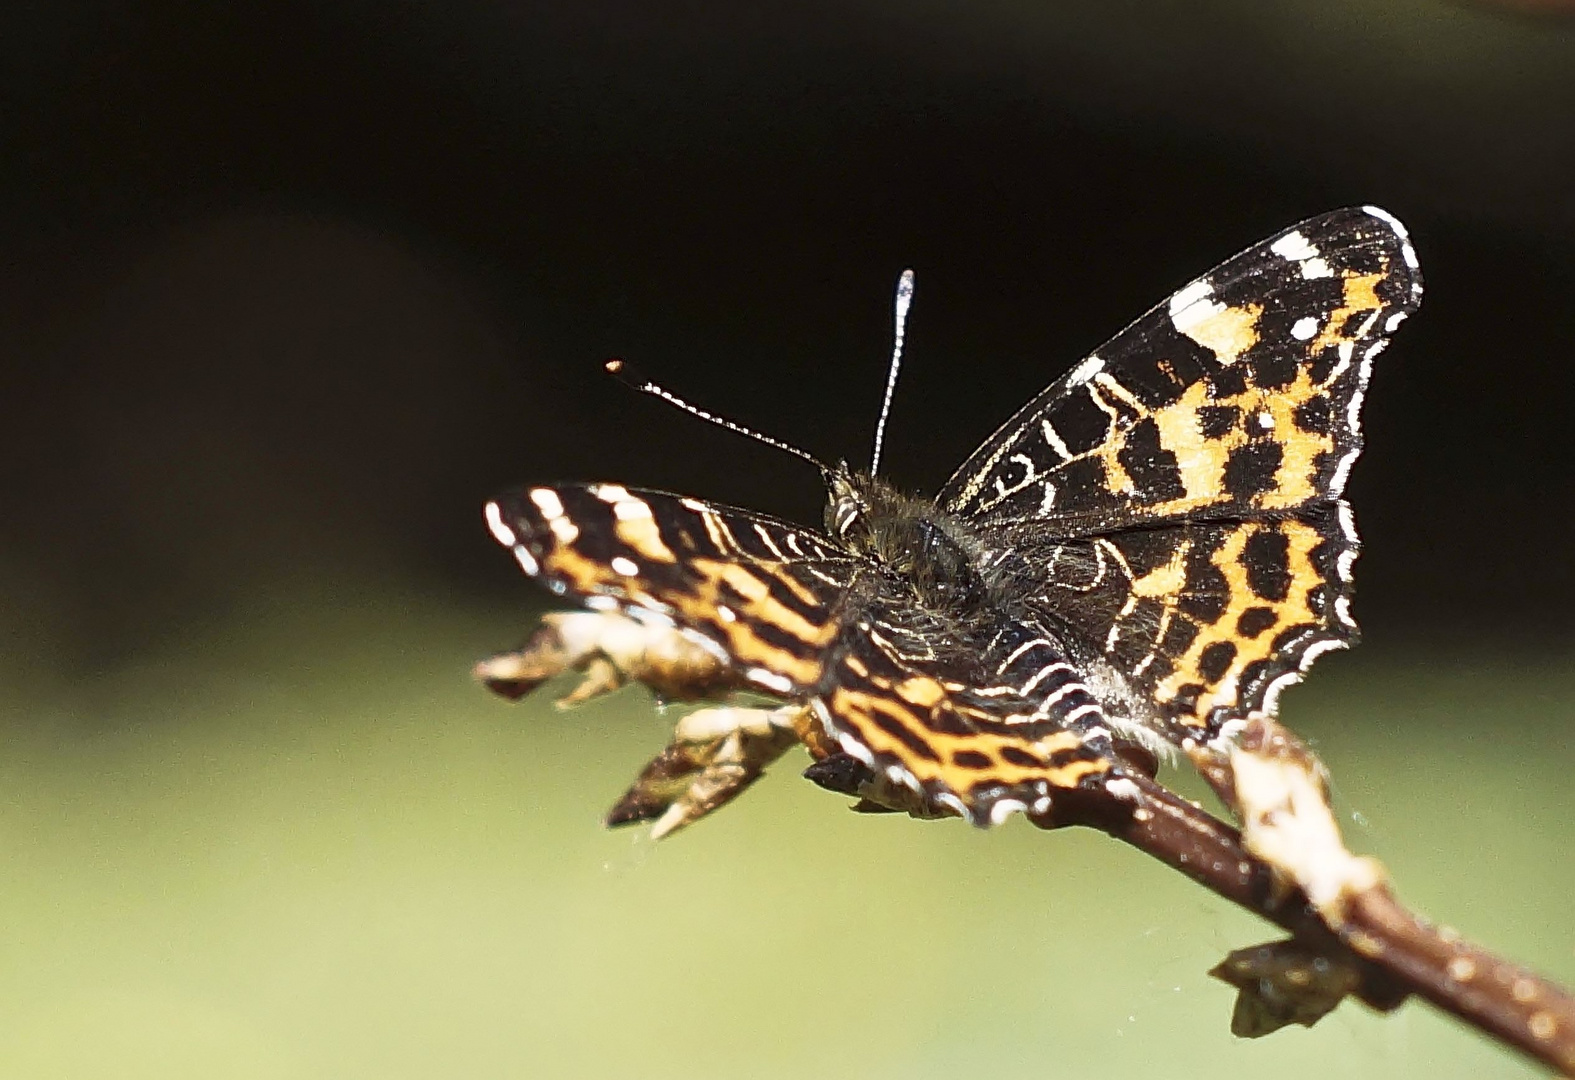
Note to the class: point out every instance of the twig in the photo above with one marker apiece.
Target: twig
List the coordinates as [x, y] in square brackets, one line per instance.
[1394, 952]
[1349, 935]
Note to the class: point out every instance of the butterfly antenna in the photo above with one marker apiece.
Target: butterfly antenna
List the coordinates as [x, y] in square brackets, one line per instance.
[630, 376]
[904, 299]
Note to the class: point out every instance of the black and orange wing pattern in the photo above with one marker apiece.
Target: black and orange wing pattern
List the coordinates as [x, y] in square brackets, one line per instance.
[800, 617]
[1177, 494]
[1165, 519]
[762, 594]
[985, 726]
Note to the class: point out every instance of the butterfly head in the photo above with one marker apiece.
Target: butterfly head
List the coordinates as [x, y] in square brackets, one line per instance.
[910, 537]
[848, 505]
[862, 510]
[869, 516]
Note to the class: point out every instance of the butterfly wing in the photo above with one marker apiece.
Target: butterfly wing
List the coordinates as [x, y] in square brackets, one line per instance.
[1240, 395]
[988, 729]
[762, 594]
[1176, 495]
[1206, 621]
[802, 618]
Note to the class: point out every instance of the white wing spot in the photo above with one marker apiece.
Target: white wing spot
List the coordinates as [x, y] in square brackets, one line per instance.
[1346, 561]
[1406, 250]
[1017, 652]
[1184, 299]
[1032, 684]
[631, 510]
[1123, 788]
[1080, 712]
[1053, 439]
[1353, 411]
[1394, 321]
[1187, 318]
[1271, 693]
[1317, 649]
[1085, 371]
[1047, 504]
[765, 538]
[947, 799]
[1304, 328]
[1342, 473]
[1316, 268]
[769, 679]
[500, 531]
[626, 567]
[1347, 521]
[1004, 809]
[1293, 247]
[1342, 610]
[526, 560]
[611, 493]
[1389, 219]
[547, 502]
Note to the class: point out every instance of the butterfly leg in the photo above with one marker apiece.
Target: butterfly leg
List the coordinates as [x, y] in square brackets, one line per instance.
[610, 650]
[715, 754]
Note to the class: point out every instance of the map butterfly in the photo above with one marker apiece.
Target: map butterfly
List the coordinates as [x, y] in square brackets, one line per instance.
[1143, 557]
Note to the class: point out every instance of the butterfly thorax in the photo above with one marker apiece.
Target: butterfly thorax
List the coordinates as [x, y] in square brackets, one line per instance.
[911, 538]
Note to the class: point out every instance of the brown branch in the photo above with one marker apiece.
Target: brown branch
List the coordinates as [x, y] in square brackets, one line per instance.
[1392, 952]
[1349, 936]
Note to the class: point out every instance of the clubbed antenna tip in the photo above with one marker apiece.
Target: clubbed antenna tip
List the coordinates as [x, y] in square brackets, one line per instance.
[904, 299]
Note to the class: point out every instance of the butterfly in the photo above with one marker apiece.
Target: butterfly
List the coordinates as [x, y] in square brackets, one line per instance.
[1141, 558]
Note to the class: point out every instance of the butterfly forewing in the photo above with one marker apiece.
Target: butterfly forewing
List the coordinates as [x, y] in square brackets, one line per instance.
[763, 592]
[1176, 494]
[1237, 397]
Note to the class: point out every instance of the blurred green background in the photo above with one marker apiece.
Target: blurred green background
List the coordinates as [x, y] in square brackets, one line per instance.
[302, 845]
[287, 289]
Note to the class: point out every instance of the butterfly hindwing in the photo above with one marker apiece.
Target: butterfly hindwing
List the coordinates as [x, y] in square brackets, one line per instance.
[1208, 620]
[1239, 396]
[966, 735]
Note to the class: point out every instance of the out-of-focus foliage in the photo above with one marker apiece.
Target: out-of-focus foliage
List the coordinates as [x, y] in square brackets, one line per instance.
[300, 844]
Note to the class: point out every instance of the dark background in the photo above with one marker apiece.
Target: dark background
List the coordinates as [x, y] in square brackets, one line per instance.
[299, 285]
[288, 290]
